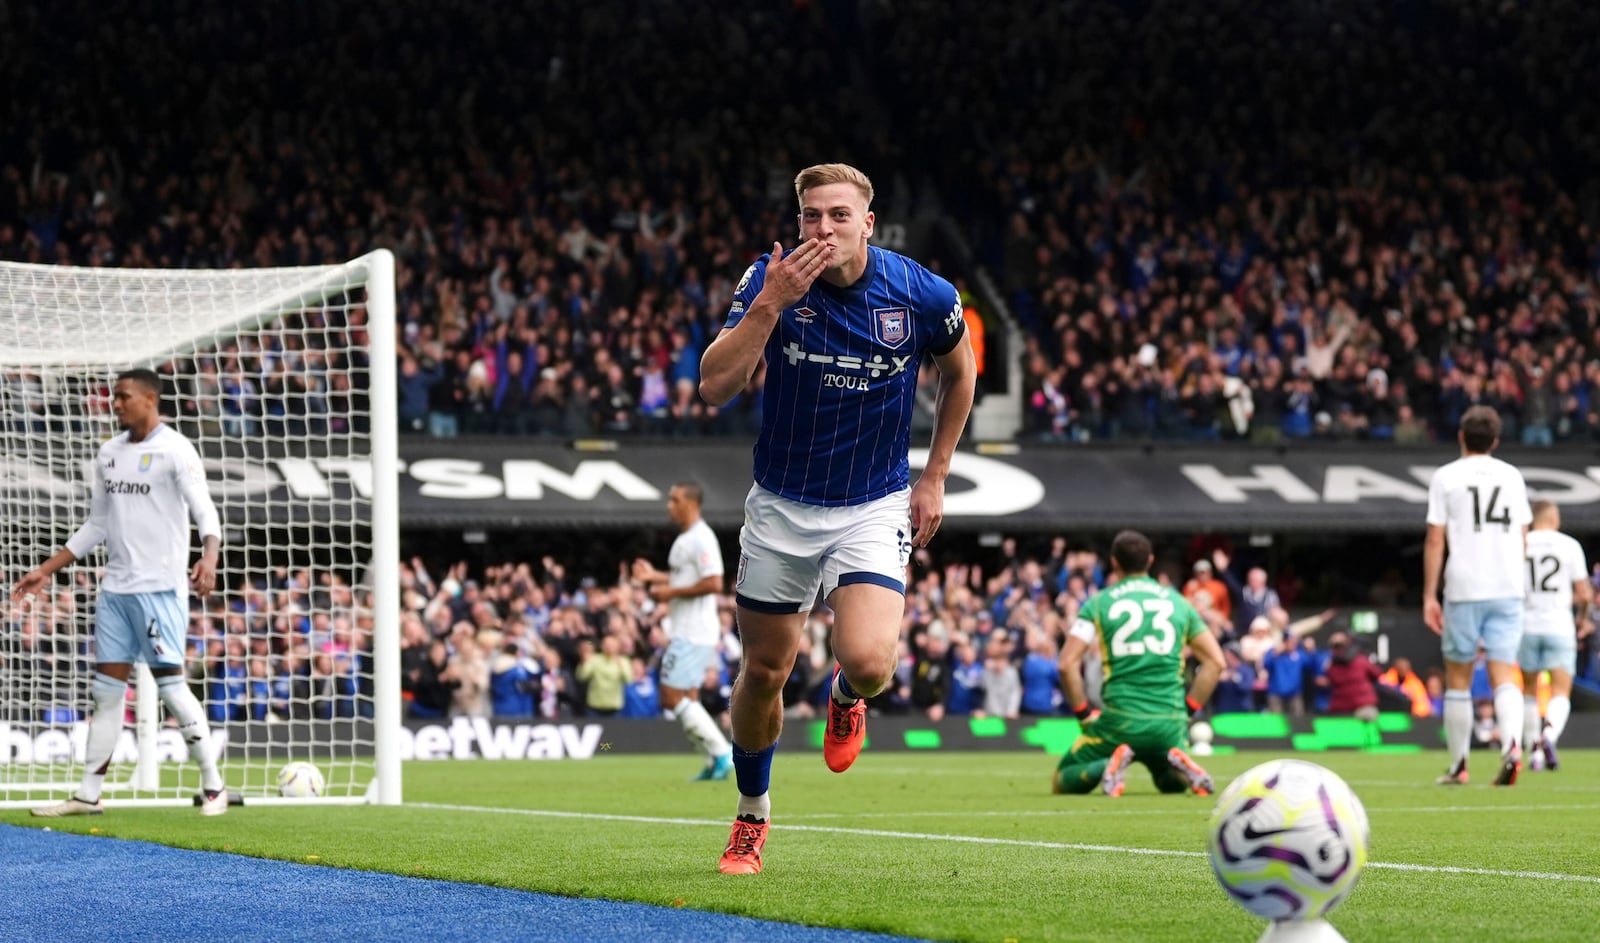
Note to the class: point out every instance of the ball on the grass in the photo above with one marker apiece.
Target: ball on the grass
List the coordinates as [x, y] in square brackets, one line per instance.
[300, 780]
[1288, 840]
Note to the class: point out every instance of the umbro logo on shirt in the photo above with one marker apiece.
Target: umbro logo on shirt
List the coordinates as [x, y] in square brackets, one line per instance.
[804, 315]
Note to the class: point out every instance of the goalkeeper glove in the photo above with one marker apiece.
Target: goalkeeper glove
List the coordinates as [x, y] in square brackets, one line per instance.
[1195, 707]
[1086, 713]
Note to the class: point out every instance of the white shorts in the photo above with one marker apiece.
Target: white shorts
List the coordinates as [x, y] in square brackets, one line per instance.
[789, 550]
[135, 627]
[683, 664]
[1547, 653]
[1494, 623]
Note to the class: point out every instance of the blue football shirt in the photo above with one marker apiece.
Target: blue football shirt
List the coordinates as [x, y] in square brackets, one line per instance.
[842, 377]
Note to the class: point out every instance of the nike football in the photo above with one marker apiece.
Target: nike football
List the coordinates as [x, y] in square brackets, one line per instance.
[1288, 840]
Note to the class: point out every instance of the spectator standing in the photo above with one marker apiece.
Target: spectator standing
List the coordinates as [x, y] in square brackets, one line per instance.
[604, 673]
[1002, 685]
[640, 698]
[966, 681]
[1235, 692]
[930, 676]
[1204, 580]
[1285, 666]
[1041, 676]
[1351, 679]
[1254, 596]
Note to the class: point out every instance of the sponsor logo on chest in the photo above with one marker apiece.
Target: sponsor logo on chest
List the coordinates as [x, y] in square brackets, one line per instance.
[861, 367]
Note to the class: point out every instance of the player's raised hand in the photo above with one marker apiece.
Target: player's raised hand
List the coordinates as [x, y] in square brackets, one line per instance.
[927, 510]
[788, 279]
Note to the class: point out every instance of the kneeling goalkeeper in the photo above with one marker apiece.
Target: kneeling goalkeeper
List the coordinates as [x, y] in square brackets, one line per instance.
[1143, 629]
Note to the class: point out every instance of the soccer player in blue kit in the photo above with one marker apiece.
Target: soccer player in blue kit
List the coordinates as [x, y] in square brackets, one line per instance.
[843, 327]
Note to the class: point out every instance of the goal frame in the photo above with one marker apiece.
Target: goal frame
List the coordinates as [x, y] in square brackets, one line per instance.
[375, 271]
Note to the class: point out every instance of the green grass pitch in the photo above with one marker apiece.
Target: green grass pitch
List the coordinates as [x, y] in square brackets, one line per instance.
[947, 846]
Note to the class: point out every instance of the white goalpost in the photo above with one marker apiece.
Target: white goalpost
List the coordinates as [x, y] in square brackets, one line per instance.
[284, 379]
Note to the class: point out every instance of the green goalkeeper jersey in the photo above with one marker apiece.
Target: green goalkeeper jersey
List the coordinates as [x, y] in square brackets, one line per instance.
[1141, 628]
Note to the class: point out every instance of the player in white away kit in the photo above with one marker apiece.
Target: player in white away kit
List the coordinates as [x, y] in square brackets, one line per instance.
[690, 591]
[843, 328]
[1558, 585]
[1478, 508]
[148, 482]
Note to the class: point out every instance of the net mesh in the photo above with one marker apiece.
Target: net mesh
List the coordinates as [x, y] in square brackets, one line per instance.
[268, 375]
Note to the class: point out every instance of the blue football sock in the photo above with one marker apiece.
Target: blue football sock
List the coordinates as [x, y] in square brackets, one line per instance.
[753, 769]
[842, 691]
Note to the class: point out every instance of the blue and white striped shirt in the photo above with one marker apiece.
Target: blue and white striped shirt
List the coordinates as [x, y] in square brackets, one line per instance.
[842, 377]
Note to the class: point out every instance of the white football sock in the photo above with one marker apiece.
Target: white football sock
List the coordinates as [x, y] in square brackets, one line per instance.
[1530, 721]
[1557, 712]
[1457, 724]
[757, 807]
[1508, 715]
[191, 717]
[701, 730]
[105, 728]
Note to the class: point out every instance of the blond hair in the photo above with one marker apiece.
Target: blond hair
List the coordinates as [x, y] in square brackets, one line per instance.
[820, 175]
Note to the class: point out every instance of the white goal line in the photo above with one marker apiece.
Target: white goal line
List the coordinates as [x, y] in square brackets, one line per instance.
[982, 840]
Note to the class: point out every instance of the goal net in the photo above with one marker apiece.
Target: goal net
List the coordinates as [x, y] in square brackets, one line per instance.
[284, 381]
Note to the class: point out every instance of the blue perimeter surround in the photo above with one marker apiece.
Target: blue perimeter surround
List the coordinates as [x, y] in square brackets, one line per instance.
[62, 887]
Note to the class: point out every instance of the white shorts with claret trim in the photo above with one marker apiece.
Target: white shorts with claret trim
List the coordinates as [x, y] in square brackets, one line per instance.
[789, 550]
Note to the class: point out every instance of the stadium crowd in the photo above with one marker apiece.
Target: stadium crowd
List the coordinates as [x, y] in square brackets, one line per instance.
[1264, 235]
[528, 639]
[534, 639]
[1289, 221]
[562, 260]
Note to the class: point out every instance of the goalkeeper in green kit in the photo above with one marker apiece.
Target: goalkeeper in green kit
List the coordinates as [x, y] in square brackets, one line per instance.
[1142, 629]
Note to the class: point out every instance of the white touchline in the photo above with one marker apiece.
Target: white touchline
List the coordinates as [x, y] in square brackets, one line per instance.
[981, 840]
[1100, 811]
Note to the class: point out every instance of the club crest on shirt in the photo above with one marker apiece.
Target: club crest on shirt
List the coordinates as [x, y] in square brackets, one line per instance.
[803, 315]
[145, 460]
[890, 325]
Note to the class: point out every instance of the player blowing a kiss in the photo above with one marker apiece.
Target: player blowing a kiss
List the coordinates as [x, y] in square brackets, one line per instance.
[148, 483]
[842, 327]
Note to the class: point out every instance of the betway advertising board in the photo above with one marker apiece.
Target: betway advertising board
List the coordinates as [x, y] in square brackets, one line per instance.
[493, 483]
[512, 740]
